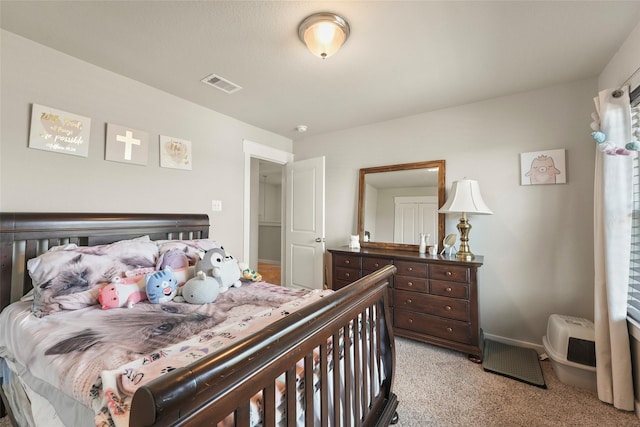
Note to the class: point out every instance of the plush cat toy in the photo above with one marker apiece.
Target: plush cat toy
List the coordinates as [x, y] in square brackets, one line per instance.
[122, 292]
[222, 267]
[200, 289]
[178, 260]
[161, 286]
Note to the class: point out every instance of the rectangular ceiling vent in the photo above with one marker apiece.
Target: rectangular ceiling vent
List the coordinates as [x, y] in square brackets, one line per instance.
[221, 83]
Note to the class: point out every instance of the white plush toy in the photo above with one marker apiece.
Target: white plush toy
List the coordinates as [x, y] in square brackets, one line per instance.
[200, 289]
[224, 268]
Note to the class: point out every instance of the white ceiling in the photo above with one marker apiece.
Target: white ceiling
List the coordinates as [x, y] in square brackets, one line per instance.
[402, 58]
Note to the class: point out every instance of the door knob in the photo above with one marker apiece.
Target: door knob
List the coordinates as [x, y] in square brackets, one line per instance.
[319, 239]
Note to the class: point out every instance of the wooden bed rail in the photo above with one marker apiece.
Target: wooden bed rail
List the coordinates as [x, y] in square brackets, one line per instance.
[223, 383]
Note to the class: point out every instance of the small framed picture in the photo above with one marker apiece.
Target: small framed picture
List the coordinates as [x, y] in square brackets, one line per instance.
[543, 167]
[175, 153]
[59, 131]
[126, 145]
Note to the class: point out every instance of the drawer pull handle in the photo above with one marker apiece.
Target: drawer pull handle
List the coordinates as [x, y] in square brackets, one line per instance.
[448, 289]
[410, 268]
[409, 283]
[448, 273]
[447, 307]
[376, 265]
[347, 275]
[347, 261]
[409, 301]
[410, 320]
[449, 330]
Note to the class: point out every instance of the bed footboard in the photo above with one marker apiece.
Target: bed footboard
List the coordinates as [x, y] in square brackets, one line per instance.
[352, 381]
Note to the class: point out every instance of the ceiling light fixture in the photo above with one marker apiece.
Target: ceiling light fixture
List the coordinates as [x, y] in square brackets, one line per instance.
[323, 33]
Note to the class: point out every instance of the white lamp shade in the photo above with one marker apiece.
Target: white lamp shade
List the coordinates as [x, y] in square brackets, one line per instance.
[465, 197]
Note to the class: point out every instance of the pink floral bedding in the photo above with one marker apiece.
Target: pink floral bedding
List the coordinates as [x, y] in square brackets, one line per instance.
[100, 357]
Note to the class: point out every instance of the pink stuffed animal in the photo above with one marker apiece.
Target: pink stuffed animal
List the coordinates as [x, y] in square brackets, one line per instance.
[123, 292]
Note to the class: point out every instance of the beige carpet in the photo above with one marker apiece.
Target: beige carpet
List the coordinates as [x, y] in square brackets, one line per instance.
[438, 387]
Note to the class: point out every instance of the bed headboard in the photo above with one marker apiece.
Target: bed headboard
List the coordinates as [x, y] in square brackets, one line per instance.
[24, 235]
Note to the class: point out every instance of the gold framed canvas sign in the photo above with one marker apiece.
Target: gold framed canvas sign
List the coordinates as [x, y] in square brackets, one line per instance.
[59, 131]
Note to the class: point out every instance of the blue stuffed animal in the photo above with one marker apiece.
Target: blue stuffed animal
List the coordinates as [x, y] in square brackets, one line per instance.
[161, 286]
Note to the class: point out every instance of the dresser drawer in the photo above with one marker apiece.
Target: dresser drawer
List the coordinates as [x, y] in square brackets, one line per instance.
[372, 264]
[451, 273]
[449, 289]
[452, 330]
[438, 306]
[346, 274]
[416, 269]
[409, 283]
[349, 261]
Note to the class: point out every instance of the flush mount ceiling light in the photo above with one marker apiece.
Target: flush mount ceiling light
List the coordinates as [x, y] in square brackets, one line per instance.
[323, 33]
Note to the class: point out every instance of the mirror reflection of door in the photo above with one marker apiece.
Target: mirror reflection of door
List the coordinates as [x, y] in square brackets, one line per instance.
[398, 206]
[414, 216]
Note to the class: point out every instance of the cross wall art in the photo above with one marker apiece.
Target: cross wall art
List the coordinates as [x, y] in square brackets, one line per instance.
[126, 145]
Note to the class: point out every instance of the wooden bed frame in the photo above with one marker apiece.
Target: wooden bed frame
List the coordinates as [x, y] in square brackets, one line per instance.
[223, 383]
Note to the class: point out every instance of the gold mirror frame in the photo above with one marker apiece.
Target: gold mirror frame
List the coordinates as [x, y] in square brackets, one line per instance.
[440, 164]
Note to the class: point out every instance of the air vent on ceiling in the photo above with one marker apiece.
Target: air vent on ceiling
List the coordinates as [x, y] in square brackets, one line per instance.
[221, 83]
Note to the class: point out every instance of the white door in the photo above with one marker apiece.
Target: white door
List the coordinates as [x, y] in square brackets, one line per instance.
[304, 223]
[415, 215]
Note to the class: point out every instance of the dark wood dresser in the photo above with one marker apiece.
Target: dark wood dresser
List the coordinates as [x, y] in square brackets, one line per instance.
[433, 298]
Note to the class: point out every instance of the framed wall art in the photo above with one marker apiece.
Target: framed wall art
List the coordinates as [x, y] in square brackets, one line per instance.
[543, 167]
[59, 131]
[126, 145]
[175, 153]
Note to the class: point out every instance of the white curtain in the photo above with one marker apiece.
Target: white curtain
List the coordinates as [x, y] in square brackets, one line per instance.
[612, 241]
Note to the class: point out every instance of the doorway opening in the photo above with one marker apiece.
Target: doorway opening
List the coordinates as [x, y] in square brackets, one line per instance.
[270, 158]
[270, 204]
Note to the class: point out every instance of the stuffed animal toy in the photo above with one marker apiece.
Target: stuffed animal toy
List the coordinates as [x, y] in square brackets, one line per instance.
[222, 267]
[178, 260]
[122, 292]
[174, 258]
[161, 286]
[200, 289]
[249, 274]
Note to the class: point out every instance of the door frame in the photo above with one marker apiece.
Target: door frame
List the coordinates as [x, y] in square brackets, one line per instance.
[263, 152]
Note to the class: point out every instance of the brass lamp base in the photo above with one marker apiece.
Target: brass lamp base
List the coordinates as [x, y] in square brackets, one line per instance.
[464, 253]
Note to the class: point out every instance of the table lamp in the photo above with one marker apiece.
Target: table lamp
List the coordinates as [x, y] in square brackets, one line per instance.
[465, 198]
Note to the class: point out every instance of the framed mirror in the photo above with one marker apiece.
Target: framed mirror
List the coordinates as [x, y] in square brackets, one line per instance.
[396, 203]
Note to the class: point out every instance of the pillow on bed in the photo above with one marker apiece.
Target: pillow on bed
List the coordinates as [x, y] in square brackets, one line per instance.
[68, 278]
[193, 249]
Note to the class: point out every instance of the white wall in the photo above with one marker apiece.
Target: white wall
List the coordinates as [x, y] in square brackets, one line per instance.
[538, 245]
[35, 180]
[623, 64]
